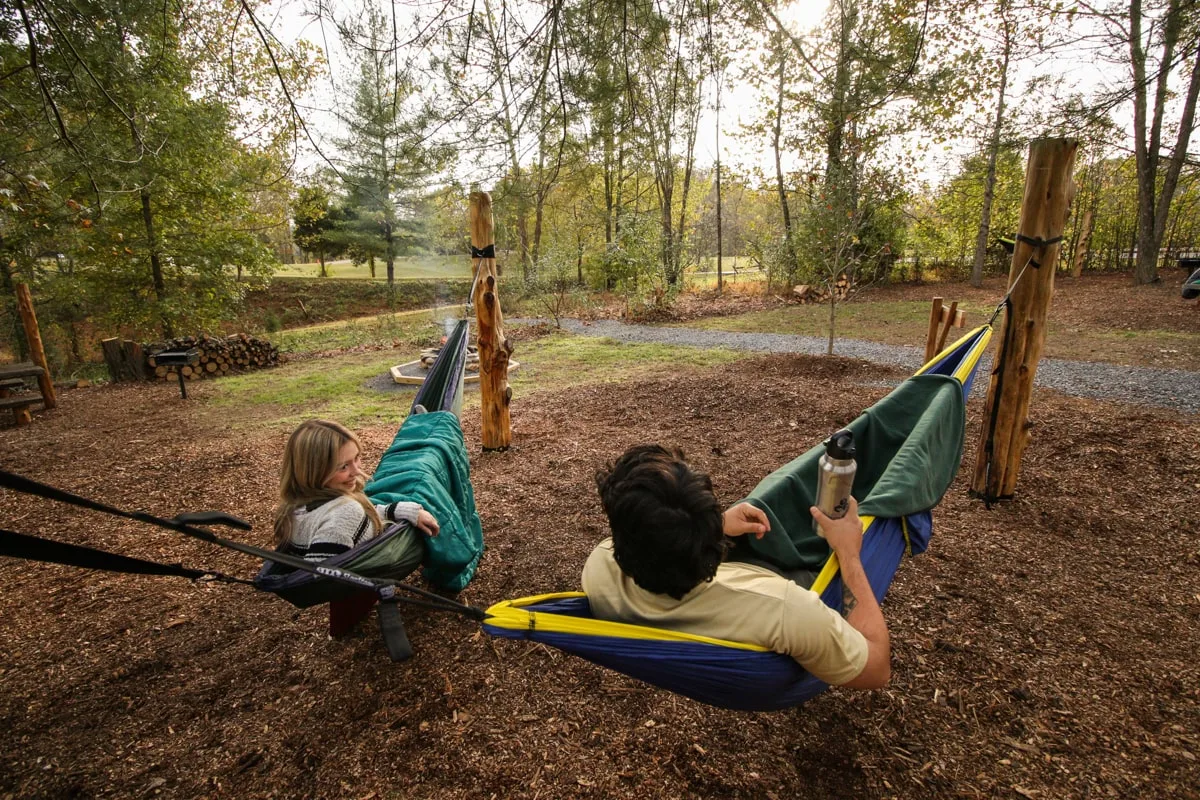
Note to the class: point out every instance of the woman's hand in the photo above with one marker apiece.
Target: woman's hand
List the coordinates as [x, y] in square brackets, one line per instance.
[427, 523]
[745, 518]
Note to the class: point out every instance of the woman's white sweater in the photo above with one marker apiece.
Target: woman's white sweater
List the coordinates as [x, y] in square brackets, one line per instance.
[327, 527]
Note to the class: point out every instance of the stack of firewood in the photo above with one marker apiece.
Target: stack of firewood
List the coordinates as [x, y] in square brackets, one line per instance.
[819, 293]
[429, 357]
[219, 355]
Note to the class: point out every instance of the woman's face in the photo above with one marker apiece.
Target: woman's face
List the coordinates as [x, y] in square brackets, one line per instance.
[346, 469]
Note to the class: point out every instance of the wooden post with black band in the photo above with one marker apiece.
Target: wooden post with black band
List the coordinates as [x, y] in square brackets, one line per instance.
[1006, 425]
[494, 348]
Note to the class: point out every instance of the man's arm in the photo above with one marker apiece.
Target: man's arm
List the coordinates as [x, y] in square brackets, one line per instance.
[845, 537]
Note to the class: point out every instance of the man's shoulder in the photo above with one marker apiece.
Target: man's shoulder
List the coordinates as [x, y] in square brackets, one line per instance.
[754, 578]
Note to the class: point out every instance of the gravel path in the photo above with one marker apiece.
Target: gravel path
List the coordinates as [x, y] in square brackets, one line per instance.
[1167, 388]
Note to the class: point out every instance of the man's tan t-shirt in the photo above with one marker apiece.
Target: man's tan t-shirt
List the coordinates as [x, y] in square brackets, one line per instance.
[743, 603]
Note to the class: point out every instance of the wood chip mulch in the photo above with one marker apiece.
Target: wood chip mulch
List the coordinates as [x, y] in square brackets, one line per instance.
[1045, 648]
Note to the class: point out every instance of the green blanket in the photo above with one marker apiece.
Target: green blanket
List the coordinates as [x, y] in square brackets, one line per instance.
[427, 463]
[909, 445]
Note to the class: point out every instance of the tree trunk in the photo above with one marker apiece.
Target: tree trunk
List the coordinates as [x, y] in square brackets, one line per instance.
[1153, 209]
[832, 319]
[793, 265]
[989, 183]
[1082, 241]
[683, 198]
[156, 273]
[391, 259]
[609, 192]
[720, 240]
[494, 348]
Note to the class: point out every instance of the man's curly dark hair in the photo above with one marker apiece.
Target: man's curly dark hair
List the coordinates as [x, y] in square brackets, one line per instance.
[667, 528]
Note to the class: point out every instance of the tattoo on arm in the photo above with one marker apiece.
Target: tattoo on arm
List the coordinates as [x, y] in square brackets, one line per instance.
[849, 601]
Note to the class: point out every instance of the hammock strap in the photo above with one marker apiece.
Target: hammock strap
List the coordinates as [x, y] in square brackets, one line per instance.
[998, 371]
[1005, 302]
[35, 548]
[384, 587]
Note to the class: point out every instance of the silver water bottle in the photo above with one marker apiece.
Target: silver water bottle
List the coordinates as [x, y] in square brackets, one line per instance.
[836, 475]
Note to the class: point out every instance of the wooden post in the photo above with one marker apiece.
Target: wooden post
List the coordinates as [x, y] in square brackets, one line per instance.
[950, 315]
[1005, 430]
[935, 319]
[37, 353]
[494, 348]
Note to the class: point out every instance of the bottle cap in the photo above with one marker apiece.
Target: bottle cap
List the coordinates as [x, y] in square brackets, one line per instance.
[840, 445]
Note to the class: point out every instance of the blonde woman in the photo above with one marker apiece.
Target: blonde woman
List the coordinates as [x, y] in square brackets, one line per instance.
[322, 510]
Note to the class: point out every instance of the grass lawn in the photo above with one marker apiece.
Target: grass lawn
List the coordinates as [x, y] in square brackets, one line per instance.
[894, 322]
[422, 327]
[407, 268]
[735, 270]
[903, 322]
[337, 388]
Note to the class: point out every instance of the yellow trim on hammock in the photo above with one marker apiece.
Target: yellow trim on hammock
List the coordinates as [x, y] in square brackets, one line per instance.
[830, 570]
[510, 615]
[970, 360]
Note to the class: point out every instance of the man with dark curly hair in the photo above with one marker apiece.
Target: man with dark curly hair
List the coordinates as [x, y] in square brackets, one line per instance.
[665, 566]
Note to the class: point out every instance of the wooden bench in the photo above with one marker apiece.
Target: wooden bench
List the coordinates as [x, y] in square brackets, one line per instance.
[11, 377]
[20, 407]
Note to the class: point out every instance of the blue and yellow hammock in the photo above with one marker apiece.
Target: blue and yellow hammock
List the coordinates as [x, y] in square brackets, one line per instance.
[913, 441]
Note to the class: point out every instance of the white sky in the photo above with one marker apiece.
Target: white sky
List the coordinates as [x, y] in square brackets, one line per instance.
[739, 101]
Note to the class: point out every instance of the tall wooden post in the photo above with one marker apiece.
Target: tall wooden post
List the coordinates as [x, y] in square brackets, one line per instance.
[37, 352]
[494, 348]
[1006, 426]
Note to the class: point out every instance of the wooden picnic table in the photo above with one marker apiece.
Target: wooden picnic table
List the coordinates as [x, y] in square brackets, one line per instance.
[11, 378]
[22, 369]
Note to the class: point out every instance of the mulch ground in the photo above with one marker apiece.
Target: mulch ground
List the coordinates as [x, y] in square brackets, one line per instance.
[1045, 648]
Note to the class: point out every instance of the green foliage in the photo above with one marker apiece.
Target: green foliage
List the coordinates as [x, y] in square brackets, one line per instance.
[315, 221]
[149, 208]
[630, 264]
[947, 223]
[386, 154]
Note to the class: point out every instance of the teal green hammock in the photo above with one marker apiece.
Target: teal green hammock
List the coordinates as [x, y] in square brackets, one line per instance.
[426, 463]
[909, 444]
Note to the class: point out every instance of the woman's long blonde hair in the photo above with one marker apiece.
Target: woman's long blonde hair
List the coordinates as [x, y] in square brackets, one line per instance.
[309, 458]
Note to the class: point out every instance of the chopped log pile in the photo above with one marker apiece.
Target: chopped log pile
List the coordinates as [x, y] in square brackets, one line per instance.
[429, 357]
[819, 293]
[219, 355]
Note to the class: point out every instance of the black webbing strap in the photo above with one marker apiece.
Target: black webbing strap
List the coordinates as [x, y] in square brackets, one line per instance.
[384, 587]
[24, 485]
[35, 548]
[486, 252]
[391, 627]
[997, 370]
[1037, 241]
